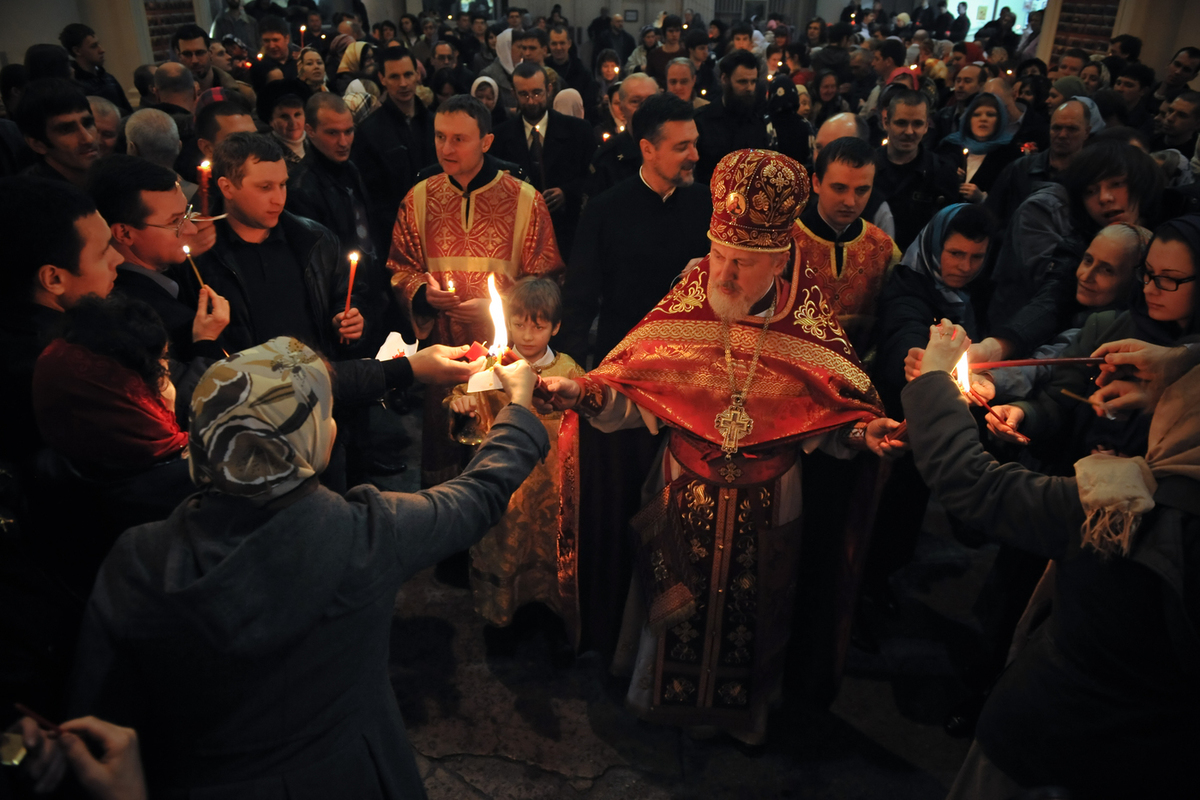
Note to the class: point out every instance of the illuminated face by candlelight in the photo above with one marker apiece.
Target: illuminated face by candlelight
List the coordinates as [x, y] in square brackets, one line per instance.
[1173, 260]
[1106, 270]
[275, 45]
[962, 260]
[288, 122]
[61, 288]
[311, 69]
[460, 145]
[530, 337]
[984, 120]
[257, 200]
[154, 243]
[739, 278]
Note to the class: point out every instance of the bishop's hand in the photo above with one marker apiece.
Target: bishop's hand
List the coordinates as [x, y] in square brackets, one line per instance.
[878, 442]
[564, 393]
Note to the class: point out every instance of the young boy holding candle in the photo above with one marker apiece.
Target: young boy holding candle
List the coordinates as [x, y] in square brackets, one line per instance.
[530, 555]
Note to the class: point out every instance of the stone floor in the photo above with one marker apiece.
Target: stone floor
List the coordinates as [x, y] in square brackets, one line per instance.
[491, 727]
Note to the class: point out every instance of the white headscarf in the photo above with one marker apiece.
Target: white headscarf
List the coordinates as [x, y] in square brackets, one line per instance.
[504, 50]
[569, 102]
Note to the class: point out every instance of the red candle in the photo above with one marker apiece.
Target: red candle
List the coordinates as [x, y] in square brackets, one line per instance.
[303, 28]
[350, 286]
[204, 172]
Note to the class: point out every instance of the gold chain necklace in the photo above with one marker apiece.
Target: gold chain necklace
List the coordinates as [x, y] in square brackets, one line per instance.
[734, 423]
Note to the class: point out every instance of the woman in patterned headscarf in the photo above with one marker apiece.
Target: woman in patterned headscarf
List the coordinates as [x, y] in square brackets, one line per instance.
[246, 636]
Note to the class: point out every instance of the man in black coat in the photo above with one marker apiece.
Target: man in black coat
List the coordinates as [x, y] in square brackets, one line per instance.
[619, 157]
[392, 145]
[328, 188]
[80, 41]
[633, 241]
[275, 47]
[913, 180]
[553, 149]
[733, 121]
[571, 70]
[146, 211]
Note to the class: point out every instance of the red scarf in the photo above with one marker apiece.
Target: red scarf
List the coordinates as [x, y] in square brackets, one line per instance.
[809, 380]
[92, 410]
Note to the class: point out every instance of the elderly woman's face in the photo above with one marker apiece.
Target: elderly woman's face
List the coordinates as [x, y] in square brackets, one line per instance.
[828, 88]
[485, 95]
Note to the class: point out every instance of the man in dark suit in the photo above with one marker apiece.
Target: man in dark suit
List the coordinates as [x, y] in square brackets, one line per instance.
[555, 150]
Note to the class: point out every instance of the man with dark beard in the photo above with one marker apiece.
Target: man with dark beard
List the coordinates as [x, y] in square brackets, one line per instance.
[554, 150]
[732, 122]
[632, 242]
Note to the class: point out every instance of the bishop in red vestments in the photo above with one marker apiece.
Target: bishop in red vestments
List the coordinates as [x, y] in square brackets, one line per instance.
[742, 367]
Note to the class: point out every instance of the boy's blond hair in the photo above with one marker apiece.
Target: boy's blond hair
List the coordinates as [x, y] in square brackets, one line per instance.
[535, 298]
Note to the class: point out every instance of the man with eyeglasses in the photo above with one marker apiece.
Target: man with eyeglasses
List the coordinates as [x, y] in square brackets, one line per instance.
[554, 150]
[151, 222]
[192, 47]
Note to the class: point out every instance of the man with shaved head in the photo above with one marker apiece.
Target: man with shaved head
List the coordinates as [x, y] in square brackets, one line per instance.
[620, 157]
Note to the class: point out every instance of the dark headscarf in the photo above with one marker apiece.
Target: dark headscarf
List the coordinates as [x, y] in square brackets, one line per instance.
[963, 137]
[924, 256]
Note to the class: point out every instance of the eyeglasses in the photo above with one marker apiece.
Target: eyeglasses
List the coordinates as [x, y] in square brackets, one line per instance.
[188, 216]
[536, 94]
[178, 227]
[1163, 282]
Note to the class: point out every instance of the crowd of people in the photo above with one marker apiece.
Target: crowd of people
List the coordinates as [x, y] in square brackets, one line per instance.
[744, 296]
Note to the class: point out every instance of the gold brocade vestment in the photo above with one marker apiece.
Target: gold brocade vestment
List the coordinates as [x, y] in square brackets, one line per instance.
[718, 550]
[501, 227]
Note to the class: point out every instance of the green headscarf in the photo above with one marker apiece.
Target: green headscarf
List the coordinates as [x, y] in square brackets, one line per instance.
[262, 421]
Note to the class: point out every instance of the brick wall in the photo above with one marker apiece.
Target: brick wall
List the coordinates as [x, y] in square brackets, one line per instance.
[1088, 26]
[163, 17]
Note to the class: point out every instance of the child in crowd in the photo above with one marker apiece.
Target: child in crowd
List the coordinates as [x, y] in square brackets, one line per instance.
[530, 556]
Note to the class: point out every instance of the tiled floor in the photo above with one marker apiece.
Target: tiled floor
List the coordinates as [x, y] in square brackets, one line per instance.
[487, 727]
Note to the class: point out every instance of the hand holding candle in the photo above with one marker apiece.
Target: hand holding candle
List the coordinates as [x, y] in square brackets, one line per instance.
[187, 251]
[350, 323]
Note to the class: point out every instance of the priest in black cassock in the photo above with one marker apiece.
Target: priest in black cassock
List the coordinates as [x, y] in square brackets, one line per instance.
[632, 242]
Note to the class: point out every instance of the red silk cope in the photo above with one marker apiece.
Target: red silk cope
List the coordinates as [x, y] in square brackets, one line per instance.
[809, 380]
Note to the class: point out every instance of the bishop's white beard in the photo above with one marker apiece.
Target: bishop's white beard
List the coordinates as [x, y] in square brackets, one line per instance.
[732, 307]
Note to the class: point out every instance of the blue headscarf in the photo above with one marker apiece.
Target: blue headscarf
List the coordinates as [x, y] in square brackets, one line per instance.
[999, 138]
[924, 256]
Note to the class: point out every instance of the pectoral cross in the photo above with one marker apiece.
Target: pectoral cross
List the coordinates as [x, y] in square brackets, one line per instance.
[733, 423]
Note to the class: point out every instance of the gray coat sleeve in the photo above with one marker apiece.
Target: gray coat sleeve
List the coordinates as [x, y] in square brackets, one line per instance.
[435, 523]
[1030, 511]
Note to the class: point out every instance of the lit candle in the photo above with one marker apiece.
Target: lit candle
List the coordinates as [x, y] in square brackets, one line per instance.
[616, 70]
[449, 284]
[260, 56]
[885, 142]
[187, 251]
[499, 327]
[966, 153]
[606, 136]
[204, 172]
[350, 286]
[303, 28]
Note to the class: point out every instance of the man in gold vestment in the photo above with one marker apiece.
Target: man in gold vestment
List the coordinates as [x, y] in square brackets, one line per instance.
[743, 368]
[453, 230]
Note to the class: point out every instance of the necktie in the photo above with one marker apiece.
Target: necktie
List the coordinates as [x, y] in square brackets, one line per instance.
[535, 153]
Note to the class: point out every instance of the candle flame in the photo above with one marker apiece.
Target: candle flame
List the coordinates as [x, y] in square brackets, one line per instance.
[260, 56]
[962, 374]
[496, 309]
[205, 165]
[187, 251]
[606, 136]
[885, 142]
[449, 284]
[616, 70]
[303, 28]
[354, 258]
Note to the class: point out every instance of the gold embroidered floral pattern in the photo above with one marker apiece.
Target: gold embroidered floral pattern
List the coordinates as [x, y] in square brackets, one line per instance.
[686, 301]
[815, 318]
[734, 693]
[679, 690]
